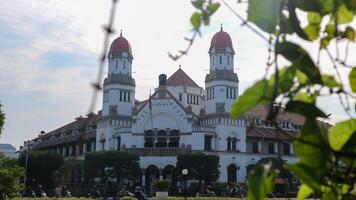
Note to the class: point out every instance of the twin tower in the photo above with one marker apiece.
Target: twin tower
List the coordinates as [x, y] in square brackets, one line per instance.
[221, 83]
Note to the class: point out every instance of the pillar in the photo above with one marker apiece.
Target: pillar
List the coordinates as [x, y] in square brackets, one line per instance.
[160, 171]
[92, 146]
[259, 145]
[275, 147]
[291, 148]
[64, 151]
[143, 172]
[84, 147]
[70, 150]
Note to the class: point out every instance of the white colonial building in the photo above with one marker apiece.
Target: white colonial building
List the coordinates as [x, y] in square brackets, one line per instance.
[180, 117]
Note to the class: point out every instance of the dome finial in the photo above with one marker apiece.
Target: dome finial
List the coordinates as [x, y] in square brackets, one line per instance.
[120, 32]
[221, 27]
[180, 66]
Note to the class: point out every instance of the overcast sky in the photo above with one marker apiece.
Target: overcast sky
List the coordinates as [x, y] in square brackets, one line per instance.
[49, 53]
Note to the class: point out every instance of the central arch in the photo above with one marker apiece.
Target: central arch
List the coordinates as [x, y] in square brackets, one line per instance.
[152, 174]
[232, 173]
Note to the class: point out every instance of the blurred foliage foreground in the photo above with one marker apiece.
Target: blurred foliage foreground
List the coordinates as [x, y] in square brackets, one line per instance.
[326, 156]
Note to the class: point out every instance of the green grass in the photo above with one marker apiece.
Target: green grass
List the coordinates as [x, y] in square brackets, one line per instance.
[130, 198]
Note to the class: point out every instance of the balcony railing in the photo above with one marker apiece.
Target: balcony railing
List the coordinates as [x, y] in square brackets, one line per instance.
[203, 129]
[164, 151]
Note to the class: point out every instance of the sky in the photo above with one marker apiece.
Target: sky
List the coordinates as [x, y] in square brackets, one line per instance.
[49, 52]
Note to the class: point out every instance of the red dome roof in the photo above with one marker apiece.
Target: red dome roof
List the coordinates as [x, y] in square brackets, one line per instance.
[120, 45]
[221, 40]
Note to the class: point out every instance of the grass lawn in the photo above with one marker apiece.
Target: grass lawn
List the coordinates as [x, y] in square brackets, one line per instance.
[130, 198]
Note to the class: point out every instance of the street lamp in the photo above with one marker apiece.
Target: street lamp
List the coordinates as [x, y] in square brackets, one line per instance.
[185, 173]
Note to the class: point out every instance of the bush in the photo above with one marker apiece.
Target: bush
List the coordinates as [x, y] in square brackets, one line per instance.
[161, 185]
[10, 173]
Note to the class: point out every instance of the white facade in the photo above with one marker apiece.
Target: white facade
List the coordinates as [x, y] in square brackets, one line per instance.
[179, 118]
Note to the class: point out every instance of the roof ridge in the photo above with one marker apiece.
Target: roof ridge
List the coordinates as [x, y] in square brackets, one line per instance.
[188, 82]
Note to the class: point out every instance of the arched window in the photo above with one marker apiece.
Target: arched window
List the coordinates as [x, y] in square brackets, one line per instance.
[162, 133]
[228, 60]
[116, 64]
[220, 58]
[232, 173]
[229, 143]
[234, 141]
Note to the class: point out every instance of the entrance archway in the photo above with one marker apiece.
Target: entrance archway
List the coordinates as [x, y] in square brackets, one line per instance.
[152, 174]
[169, 173]
[232, 173]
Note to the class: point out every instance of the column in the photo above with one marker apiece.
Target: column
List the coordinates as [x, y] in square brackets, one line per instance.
[84, 147]
[64, 151]
[143, 172]
[93, 146]
[160, 174]
[259, 145]
[77, 149]
[275, 147]
[70, 150]
[291, 148]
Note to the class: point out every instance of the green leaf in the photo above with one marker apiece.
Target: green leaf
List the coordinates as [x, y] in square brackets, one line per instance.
[260, 182]
[301, 59]
[285, 80]
[304, 192]
[198, 4]
[213, 7]
[315, 156]
[330, 30]
[329, 81]
[306, 175]
[249, 99]
[314, 18]
[294, 21]
[352, 79]
[302, 78]
[308, 110]
[350, 34]
[195, 20]
[324, 42]
[264, 14]
[351, 5]
[341, 133]
[305, 97]
[312, 30]
[344, 15]
[205, 17]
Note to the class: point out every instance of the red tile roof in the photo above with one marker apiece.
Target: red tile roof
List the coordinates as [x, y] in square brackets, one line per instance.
[268, 133]
[180, 78]
[221, 40]
[120, 45]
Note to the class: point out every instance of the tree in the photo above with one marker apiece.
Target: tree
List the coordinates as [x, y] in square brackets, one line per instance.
[2, 119]
[326, 158]
[40, 167]
[10, 173]
[200, 167]
[105, 164]
[279, 164]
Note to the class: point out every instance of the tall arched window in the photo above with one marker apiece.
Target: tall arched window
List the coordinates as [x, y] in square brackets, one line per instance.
[232, 173]
[234, 141]
[220, 58]
[229, 143]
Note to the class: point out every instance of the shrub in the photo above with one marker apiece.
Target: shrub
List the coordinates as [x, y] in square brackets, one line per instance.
[10, 174]
[161, 185]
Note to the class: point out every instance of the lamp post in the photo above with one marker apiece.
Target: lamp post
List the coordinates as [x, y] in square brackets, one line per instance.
[184, 173]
